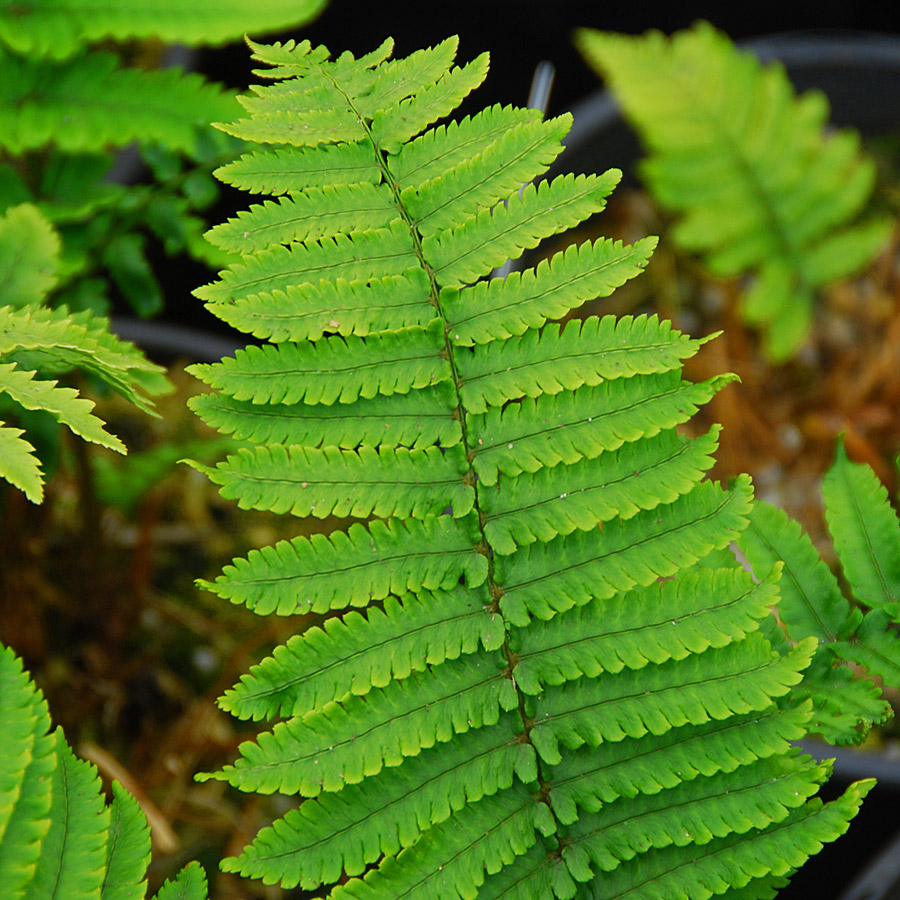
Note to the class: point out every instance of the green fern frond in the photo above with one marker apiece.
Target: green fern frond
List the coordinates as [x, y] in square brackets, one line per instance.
[539, 673]
[39, 341]
[57, 28]
[53, 340]
[115, 105]
[58, 838]
[29, 256]
[866, 535]
[759, 186]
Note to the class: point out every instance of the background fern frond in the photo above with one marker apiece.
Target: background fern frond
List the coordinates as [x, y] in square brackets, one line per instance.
[758, 185]
[58, 838]
[115, 105]
[39, 341]
[57, 28]
[531, 627]
[866, 534]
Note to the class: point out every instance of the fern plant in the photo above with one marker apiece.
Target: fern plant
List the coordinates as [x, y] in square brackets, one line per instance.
[538, 670]
[857, 635]
[58, 837]
[38, 342]
[67, 107]
[760, 188]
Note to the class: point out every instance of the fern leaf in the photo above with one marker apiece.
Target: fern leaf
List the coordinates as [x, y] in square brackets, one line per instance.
[29, 256]
[845, 706]
[356, 654]
[420, 418]
[127, 849]
[336, 370]
[19, 465]
[280, 171]
[352, 569]
[347, 831]
[549, 628]
[501, 307]
[568, 427]
[27, 761]
[545, 579]
[735, 862]
[865, 531]
[584, 352]
[612, 636]
[499, 170]
[288, 219]
[552, 502]
[74, 850]
[589, 778]
[55, 340]
[751, 797]
[811, 600]
[758, 183]
[62, 403]
[464, 253]
[311, 482]
[57, 28]
[343, 744]
[188, 884]
[115, 105]
[739, 678]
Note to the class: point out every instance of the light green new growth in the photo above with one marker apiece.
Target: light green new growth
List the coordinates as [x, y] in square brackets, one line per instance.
[58, 838]
[533, 675]
[37, 341]
[852, 633]
[760, 188]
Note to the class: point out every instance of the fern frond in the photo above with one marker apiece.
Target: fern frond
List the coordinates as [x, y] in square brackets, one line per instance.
[866, 536]
[568, 427]
[671, 624]
[589, 778]
[865, 532]
[342, 744]
[420, 418]
[57, 28]
[759, 185]
[552, 502]
[62, 403]
[353, 828]
[538, 624]
[501, 307]
[334, 370]
[29, 256]
[188, 884]
[354, 568]
[54, 340]
[751, 797]
[554, 359]
[737, 679]
[27, 760]
[19, 465]
[35, 339]
[333, 482]
[127, 849]
[115, 105]
[355, 654]
[74, 848]
[58, 838]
